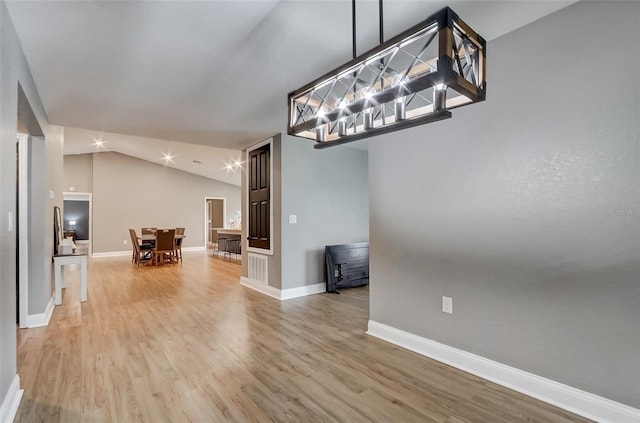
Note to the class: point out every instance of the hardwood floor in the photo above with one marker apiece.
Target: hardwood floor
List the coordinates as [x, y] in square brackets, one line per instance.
[187, 343]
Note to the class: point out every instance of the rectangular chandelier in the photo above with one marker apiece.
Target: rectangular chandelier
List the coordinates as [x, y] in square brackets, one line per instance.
[412, 79]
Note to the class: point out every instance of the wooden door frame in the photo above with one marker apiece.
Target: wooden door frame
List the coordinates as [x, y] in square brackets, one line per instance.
[23, 229]
[206, 213]
[246, 211]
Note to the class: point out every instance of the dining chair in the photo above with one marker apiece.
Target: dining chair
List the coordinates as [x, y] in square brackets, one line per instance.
[177, 250]
[137, 256]
[165, 244]
[222, 244]
[148, 231]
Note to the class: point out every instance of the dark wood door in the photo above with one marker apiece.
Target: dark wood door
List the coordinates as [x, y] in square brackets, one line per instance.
[260, 197]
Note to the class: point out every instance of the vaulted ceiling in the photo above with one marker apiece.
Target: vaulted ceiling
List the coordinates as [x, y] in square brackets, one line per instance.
[211, 73]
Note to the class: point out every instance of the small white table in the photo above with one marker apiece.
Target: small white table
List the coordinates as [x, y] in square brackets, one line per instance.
[63, 259]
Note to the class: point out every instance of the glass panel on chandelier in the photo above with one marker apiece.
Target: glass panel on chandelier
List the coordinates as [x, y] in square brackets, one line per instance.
[412, 79]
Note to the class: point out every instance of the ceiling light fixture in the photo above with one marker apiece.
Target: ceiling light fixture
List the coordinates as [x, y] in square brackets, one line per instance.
[168, 157]
[234, 165]
[98, 142]
[412, 79]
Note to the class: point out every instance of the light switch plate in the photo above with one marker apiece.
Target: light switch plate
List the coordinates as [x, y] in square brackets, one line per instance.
[447, 305]
[293, 219]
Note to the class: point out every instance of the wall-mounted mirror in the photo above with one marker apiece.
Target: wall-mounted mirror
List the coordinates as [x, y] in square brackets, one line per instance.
[57, 228]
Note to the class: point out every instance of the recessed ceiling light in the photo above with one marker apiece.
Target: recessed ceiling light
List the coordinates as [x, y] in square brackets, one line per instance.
[98, 142]
[168, 157]
[234, 165]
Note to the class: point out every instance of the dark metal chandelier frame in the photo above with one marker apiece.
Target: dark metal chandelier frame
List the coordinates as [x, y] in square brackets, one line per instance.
[412, 79]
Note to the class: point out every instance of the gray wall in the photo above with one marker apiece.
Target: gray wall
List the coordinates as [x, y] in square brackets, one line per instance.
[39, 295]
[328, 191]
[14, 70]
[525, 209]
[78, 172]
[132, 193]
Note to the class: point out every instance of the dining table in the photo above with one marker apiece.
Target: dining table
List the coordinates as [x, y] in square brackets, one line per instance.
[152, 237]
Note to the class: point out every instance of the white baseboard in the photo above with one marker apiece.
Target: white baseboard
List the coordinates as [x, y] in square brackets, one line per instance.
[285, 294]
[571, 399]
[11, 401]
[188, 249]
[260, 287]
[303, 291]
[41, 319]
[129, 252]
[112, 254]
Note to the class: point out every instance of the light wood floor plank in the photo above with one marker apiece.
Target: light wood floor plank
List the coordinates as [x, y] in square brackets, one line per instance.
[188, 343]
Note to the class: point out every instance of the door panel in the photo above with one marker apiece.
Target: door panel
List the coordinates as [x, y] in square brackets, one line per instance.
[260, 197]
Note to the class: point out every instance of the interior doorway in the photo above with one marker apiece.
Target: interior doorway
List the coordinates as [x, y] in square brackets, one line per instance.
[215, 214]
[77, 219]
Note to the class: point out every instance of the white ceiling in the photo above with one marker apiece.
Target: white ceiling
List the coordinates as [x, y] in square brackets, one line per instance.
[211, 73]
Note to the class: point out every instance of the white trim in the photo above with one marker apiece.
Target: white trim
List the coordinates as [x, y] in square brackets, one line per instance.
[571, 399]
[246, 193]
[112, 254]
[76, 196]
[303, 291]
[23, 229]
[260, 287]
[41, 319]
[188, 249]
[286, 294]
[11, 401]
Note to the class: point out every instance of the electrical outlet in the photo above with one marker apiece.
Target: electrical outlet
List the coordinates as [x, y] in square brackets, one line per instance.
[447, 305]
[124, 241]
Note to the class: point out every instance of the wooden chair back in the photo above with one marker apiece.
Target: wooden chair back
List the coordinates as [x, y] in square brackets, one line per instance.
[134, 240]
[178, 244]
[179, 231]
[165, 239]
[135, 257]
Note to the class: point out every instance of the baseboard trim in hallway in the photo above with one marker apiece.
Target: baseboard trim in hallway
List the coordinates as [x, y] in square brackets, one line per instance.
[283, 294]
[11, 401]
[41, 319]
[571, 399]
